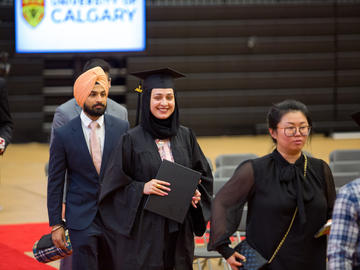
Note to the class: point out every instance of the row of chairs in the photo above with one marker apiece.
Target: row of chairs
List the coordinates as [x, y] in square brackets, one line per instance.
[225, 167]
[229, 160]
[344, 165]
[344, 155]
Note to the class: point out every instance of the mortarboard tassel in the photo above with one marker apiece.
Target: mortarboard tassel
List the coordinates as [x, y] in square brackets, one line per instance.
[139, 90]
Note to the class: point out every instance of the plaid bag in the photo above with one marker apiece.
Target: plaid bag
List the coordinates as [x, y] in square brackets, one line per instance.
[45, 251]
[254, 260]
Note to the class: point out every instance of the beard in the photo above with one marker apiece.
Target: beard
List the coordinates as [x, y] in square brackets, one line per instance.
[93, 111]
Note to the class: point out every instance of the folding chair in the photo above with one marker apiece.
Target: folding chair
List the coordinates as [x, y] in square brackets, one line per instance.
[224, 171]
[232, 159]
[344, 154]
[342, 178]
[345, 166]
[201, 252]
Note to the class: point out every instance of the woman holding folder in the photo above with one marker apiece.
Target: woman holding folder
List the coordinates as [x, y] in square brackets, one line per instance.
[280, 187]
[147, 240]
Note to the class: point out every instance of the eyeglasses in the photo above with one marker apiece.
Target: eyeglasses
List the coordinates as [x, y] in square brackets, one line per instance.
[291, 131]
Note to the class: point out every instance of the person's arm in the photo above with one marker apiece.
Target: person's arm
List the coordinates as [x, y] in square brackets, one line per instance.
[58, 236]
[227, 211]
[59, 120]
[151, 186]
[6, 123]
[344, 233]
[125, 114]
[57, 168]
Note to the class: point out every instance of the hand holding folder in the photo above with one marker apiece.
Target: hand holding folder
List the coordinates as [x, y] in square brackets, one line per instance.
[157, 187]
[183, 183]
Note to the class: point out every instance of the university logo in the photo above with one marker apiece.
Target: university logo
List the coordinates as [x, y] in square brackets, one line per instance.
[33, 11]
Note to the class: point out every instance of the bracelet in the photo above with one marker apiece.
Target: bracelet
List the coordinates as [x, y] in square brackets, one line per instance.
[56, 228]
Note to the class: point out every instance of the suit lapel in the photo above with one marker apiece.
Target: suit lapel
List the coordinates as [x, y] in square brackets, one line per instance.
[80, 141]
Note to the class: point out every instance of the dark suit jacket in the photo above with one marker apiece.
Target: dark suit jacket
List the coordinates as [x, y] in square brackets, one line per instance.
[69, 152]
[6, 124]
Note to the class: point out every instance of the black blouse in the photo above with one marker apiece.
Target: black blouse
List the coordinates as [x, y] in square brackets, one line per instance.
[273, 188]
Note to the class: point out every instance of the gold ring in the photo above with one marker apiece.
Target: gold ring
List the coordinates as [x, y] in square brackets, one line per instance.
[158, 185]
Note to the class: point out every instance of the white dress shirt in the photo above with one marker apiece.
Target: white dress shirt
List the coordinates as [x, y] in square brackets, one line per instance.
[100, 132]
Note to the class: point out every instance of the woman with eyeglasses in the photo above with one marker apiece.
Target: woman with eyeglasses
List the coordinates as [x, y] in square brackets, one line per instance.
[280, 187]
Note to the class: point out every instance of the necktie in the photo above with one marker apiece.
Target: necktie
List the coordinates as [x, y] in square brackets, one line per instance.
[95, 146]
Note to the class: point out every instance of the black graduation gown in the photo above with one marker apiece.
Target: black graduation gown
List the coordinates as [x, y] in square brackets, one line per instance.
[142, 234]
[269, 187]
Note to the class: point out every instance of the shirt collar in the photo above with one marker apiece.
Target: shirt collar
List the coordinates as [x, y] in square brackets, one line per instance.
[86, 120]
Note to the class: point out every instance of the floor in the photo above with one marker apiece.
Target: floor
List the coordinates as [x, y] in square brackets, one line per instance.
[23, 180]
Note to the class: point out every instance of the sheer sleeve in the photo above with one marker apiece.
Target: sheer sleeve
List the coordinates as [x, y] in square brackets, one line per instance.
[330, 189]
[228, 206]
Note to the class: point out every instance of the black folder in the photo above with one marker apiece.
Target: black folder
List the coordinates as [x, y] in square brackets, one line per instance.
[183, 182]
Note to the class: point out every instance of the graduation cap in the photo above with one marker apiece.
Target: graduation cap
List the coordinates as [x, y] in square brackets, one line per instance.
[356, 117]
[156, 78]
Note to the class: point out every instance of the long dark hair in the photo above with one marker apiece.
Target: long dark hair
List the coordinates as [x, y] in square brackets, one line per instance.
[278, 110]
